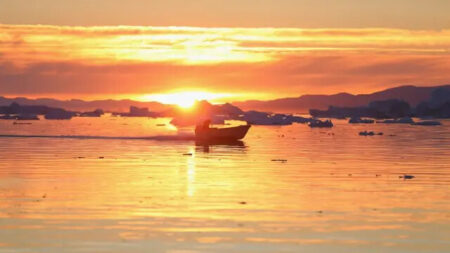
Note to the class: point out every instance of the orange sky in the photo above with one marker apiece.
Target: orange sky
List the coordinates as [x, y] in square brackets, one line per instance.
[406, 14]
[91, 62]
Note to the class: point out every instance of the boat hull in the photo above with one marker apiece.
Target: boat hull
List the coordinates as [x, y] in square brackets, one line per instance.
[215, 134]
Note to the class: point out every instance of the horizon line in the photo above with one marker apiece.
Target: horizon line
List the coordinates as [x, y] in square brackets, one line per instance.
[230, 102]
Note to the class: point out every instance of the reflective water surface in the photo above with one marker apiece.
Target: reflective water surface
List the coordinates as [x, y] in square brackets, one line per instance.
[283, 189]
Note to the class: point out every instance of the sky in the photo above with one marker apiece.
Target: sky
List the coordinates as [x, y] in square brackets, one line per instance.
[237, 50]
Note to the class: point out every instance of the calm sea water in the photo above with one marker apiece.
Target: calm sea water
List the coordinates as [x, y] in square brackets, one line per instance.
[284, 189]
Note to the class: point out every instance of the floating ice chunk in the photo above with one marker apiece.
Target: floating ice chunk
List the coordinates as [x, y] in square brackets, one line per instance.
[428, 123]
[404, 120]
[358, 120]
[320, 123]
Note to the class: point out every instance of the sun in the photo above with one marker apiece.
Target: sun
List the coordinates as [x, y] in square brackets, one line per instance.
[185, 99]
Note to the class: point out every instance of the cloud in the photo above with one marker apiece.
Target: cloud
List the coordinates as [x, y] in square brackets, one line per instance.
[276, 61]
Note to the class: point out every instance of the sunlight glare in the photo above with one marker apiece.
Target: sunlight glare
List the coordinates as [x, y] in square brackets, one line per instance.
[185, 99]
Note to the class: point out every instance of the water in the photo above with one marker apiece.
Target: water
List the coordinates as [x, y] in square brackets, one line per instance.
[336, 191]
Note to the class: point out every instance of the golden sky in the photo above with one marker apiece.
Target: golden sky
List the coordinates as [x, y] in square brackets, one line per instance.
[406, 14]
[49, 50]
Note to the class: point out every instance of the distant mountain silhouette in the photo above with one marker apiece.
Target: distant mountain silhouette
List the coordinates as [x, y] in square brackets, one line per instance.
[411, 94]
[81, 105]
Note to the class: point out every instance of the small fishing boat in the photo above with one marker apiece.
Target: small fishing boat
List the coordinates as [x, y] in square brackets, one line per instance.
[215, 134]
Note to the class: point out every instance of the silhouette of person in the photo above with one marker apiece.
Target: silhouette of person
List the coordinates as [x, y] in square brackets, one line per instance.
[203, 126]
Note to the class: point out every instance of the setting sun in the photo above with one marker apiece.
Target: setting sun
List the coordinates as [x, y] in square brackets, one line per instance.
[185, 99]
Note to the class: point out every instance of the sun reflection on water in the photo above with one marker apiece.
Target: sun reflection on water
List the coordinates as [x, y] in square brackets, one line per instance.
[191, 173]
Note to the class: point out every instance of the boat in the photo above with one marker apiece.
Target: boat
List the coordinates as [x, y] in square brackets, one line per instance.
[221, 134]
